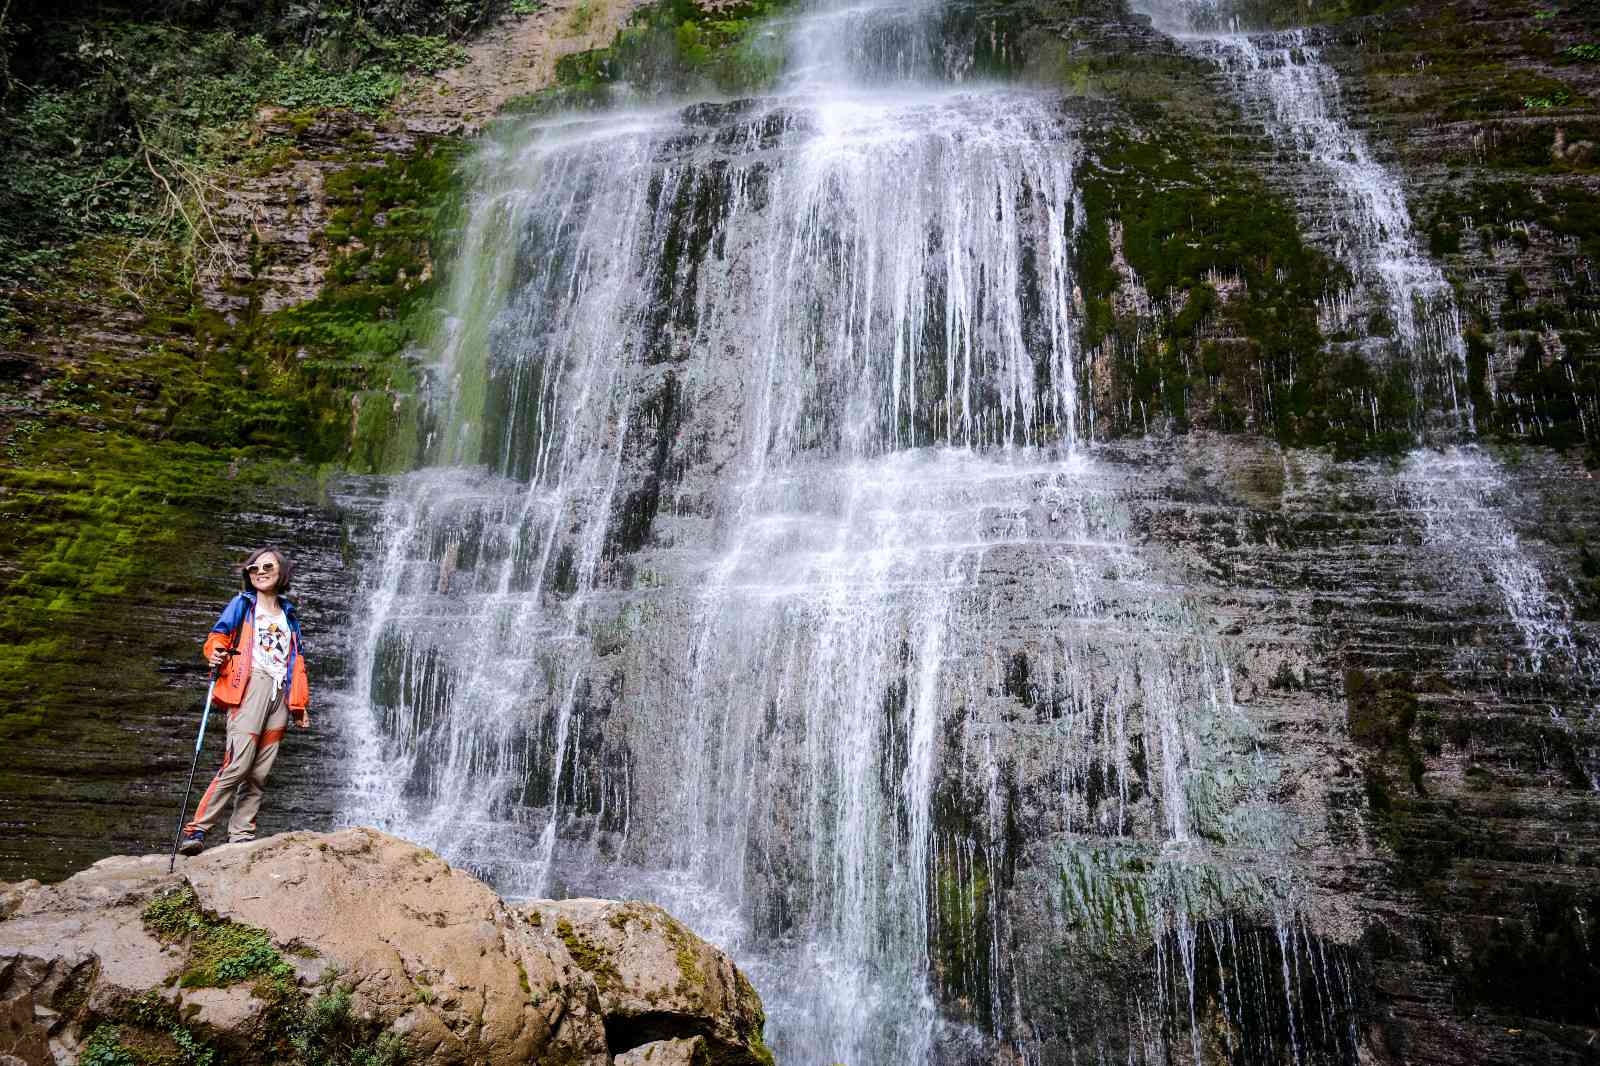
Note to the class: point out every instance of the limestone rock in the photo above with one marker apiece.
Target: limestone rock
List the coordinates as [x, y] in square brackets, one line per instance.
[656, 980]
[82, 939]
[517, 55]
[425, 950]
[229, 1010]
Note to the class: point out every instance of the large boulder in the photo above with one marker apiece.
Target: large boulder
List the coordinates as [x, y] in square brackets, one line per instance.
[264, 949]
[656, 979]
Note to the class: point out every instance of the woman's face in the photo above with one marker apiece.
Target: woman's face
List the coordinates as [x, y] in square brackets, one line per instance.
[264, 572]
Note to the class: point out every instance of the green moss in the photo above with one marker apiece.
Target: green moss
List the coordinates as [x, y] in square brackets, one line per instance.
[1381, 709]
[1551, 396]
[959, 937]
[220, 952]
[145, 1030]
[691, 981]
[105, 1048]
[1235, 343]
[1553, 147]
[324, 1031]
[294, 1029]
[1286, 14]
[1382, 714]
[759, 1049]
[590, 958]
[114, 479]
[390, 224]
[97, 516]
[174, 915]
[672, 47]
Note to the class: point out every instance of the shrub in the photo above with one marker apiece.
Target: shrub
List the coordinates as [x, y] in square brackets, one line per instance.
[117, 126]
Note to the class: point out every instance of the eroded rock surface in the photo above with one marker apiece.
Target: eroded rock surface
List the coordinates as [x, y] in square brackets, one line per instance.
[657, 981]
[246, 947]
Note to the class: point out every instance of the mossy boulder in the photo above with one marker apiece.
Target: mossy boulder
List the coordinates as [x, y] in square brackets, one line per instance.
[345, 947]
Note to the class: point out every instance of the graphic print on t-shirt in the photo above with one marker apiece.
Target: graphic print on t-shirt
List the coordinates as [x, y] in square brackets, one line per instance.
[272, 645]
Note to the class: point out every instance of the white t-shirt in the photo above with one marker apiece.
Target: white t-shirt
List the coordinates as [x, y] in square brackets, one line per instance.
[272, 645]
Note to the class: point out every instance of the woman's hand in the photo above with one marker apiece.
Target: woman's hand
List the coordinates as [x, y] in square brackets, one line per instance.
[217, 658]
[302, 720]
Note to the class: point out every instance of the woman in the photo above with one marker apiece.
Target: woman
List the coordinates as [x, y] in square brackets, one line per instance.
[256, 646]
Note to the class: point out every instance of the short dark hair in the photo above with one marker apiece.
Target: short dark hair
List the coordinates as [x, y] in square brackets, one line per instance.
[285, 570]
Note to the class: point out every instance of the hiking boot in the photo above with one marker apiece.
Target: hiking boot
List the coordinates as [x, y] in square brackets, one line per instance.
[194, 842]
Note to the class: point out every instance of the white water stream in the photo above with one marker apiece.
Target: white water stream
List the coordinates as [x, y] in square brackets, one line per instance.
[1281, 81]
[860, 291]
[884, 325]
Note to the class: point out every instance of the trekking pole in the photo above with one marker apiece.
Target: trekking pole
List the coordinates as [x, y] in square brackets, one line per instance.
[205, 716]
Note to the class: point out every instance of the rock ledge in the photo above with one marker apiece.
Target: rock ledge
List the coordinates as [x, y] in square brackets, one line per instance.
[355, 941]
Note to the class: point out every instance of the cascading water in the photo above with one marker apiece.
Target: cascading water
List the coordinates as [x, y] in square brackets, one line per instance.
[1282, 82]
[761, 546]
[1457, 492]
[1287, 73]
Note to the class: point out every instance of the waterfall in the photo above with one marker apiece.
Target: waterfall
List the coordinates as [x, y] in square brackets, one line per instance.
[761, 568]
[1283, 83]
[1458, 493]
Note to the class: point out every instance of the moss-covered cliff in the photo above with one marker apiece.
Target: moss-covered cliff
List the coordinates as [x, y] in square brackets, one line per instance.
[189, 365]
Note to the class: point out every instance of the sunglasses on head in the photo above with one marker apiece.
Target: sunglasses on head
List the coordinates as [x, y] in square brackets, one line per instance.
[261, 568]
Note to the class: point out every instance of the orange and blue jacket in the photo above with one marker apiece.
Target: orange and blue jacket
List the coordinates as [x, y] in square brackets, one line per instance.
[239, 618]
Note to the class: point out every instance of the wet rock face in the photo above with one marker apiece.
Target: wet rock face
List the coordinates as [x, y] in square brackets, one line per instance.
[395, 940]
[1428, 770]
[1482, 108]
[107, 601]
[1419, 748]
[122, 722]
[1239, 751]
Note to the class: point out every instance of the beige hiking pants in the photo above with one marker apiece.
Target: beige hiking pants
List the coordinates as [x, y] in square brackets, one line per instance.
[255, 729]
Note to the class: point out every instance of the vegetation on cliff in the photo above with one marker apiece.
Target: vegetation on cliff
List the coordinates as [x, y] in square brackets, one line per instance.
[670, 47]
[1234, 344]
[151, 385]
[120, 119]
[131, 446]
